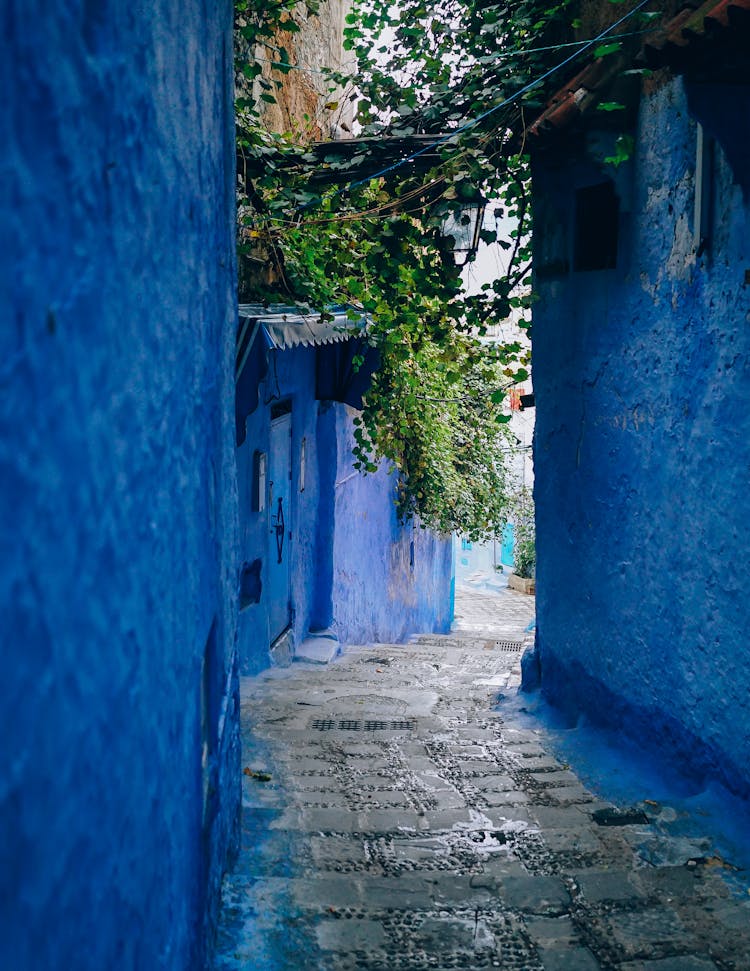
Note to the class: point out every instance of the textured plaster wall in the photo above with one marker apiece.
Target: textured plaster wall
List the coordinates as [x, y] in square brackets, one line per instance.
[119, 782]
[381, 590]
[642, 381]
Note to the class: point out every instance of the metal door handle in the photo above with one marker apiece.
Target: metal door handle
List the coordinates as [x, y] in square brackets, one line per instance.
[277, 526]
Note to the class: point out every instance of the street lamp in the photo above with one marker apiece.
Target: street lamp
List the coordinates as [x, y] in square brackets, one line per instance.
[463, 224]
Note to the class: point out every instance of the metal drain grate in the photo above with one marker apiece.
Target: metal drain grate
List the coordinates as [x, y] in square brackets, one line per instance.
[511, 647]
[363, 725]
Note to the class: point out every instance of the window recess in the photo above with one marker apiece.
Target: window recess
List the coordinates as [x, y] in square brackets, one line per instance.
[597, 216]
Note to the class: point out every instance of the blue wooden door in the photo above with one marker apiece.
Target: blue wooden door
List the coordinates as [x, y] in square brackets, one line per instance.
[280, 525]
[506, 550]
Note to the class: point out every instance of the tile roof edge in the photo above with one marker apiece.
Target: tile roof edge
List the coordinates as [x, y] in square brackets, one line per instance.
[572, 99]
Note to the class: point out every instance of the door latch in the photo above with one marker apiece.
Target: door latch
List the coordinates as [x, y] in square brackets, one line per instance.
[277, 526]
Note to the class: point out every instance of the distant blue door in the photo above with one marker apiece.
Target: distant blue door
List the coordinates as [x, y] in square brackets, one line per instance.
[508, 542]
[280, 525]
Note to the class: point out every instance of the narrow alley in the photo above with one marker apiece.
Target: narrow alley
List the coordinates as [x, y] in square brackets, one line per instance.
[315, 313]
[395, 818]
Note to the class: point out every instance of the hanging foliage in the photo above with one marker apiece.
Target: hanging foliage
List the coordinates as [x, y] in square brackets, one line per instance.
[360, 223]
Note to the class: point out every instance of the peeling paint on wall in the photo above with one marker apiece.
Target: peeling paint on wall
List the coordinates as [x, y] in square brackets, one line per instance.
[642, 380]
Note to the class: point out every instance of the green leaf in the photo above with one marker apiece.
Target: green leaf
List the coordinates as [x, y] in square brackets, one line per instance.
[605, 49]
[623, 151]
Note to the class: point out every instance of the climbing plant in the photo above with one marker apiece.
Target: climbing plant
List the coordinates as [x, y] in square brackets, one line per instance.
[450, 82]
[524, 533]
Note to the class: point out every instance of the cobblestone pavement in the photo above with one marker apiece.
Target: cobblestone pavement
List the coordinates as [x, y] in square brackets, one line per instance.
[408, 825]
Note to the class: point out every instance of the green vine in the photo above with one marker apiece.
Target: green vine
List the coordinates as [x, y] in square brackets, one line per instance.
[524, 539]
[330, 226]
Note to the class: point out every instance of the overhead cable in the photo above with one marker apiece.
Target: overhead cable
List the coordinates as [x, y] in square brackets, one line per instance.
[490, 111]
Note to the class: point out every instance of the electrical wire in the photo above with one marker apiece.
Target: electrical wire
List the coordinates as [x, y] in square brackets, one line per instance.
[383, 209]
[500, 56]
[490, 111]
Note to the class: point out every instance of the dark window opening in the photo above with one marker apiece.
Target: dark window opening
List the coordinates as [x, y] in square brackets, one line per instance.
[597, 217]
[251, 585]
[259, 481]
[280, 409]
[704, 176]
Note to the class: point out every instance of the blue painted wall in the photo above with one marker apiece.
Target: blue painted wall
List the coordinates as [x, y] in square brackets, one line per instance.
[119, 780]
[351, 560]
[642, 382]
[291, 377]
[390, 580]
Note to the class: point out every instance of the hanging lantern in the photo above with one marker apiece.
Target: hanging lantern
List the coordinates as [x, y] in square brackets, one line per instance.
[463, 225]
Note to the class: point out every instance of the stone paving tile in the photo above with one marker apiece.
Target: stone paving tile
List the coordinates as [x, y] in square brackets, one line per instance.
[640, 933]
[567, 957]
[408, 825]
[599, 886]
[684, 963]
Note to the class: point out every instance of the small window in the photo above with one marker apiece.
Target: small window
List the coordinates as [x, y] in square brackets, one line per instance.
[280, 409]
[596, 225]
[251, 584]
[704, 174]
[302, 464]
[259, 482]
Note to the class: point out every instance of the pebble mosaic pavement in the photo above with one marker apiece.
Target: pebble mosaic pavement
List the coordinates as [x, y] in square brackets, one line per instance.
[408, 825]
